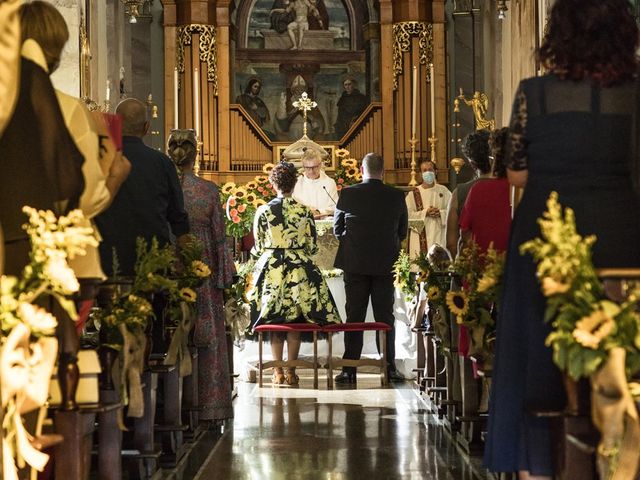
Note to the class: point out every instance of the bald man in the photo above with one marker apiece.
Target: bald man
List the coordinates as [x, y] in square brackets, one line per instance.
[149, 204]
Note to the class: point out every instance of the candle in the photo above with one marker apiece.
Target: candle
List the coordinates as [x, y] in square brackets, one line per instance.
[433, 101]
[175, 98]
[414, 100]
[108, 94]
[196, 101]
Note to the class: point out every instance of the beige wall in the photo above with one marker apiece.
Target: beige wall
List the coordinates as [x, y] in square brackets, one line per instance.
[67, 77]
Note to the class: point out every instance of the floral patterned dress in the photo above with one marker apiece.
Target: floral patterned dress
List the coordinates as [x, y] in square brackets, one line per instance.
[286, 285]
[202, 203]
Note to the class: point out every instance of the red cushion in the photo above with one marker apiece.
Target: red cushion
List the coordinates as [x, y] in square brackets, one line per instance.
[288, 327]
[356, 326]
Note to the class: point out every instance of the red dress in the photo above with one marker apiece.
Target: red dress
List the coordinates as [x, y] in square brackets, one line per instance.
[487, 215]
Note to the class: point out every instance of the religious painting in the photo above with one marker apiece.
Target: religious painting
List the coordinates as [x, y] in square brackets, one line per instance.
[287, 47]
[299, 25]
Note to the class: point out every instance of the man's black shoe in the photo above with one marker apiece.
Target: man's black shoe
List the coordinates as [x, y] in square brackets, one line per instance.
[345, 377]
[395, 376]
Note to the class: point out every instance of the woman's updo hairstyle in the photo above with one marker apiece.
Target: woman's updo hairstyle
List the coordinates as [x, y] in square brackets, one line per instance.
[284, 177]
[475, 147]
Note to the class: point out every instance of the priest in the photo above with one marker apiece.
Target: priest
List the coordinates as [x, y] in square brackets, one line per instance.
[315, 189]
[428, 202]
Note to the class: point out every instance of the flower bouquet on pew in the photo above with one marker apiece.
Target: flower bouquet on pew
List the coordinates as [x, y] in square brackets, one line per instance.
[475, 304]
[28, 347]
[236, 308]
[592, 336]
[404, 277]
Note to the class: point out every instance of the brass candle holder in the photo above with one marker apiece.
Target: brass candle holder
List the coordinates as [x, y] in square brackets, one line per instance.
[413, 142]
[432, 146]
[196, 165]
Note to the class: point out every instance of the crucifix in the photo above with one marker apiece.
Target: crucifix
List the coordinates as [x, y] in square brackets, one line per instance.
[304, 104]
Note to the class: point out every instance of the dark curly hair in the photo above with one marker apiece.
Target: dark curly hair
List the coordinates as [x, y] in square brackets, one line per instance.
[284, 177]
[498, 143]
[593, 39]
[475, 147]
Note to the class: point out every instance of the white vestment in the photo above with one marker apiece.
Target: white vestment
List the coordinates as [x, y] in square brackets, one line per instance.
[320, 194]
[435, 227]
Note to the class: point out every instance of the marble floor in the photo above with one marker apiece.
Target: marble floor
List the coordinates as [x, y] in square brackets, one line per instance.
[368, 433]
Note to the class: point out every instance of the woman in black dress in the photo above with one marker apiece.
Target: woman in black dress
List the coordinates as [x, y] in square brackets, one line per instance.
[571, 132]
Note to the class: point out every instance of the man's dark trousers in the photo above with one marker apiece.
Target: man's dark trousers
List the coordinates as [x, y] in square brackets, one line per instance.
[359, 288]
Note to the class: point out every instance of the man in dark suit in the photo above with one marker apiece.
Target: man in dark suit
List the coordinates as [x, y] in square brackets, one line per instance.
[370, 221]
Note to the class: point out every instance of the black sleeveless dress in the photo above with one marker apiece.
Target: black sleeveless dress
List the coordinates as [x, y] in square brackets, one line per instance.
[577, 140]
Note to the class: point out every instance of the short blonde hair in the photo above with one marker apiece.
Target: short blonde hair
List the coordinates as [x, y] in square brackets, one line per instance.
[311, 154]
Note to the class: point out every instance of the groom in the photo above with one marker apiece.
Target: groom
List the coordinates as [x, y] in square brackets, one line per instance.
[370, 221]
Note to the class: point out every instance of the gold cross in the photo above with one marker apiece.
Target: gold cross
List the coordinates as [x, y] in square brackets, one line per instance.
[305, 104]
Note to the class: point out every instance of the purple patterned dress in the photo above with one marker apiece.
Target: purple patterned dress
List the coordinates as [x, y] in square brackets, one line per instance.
[202, 203]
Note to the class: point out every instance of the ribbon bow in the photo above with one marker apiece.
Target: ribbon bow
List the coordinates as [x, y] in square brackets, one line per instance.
[132, 360]
[238, 318]
[614, 413]
[179, 347]
[25, 370]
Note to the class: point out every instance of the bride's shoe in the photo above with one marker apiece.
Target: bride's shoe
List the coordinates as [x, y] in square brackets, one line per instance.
[292, 378]
[278, 377]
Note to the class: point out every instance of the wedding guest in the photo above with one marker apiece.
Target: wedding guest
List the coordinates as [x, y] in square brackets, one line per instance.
[206, 219]
[45, 33]
[41, 166]
[475, 147]
[572, 132]
[287, 287]
[149, 204]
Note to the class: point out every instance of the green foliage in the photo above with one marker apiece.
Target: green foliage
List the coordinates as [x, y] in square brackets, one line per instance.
[586, 325]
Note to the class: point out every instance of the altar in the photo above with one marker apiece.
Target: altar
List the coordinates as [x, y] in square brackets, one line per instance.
[406, 347]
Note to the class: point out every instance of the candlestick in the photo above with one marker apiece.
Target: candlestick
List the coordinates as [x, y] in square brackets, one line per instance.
[175, 98]
[414, 100]
[433, 101]
[196, 101]
[413, 142]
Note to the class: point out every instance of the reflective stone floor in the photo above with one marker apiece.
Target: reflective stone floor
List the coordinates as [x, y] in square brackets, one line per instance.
[365, 433]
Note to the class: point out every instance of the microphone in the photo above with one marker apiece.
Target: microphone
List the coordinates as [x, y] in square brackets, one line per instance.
[329, 195]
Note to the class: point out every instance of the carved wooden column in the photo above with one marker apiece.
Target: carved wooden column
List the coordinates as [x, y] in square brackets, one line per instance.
[190, 47]
[412, 35]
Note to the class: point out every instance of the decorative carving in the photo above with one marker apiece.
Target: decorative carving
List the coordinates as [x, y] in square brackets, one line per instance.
[402, 34]
[207, 47]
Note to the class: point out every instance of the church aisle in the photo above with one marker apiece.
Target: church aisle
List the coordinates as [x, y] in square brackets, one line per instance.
[301, 434]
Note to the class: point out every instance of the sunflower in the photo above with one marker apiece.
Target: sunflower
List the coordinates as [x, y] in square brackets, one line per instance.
[458, 303]
[352, 172]
[434, 293]
[350, 163]
[259, 202]
[267, 168]
[252, 185]
[200, 269]
[261, 179]
[342, 152]
[240, 192]
[228, 187]
[188, 295]
[250, 198]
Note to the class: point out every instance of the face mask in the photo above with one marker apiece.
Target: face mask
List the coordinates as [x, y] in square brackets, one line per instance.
[429, 177]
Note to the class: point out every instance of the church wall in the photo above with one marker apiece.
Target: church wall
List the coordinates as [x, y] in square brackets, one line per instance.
[67, 77]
